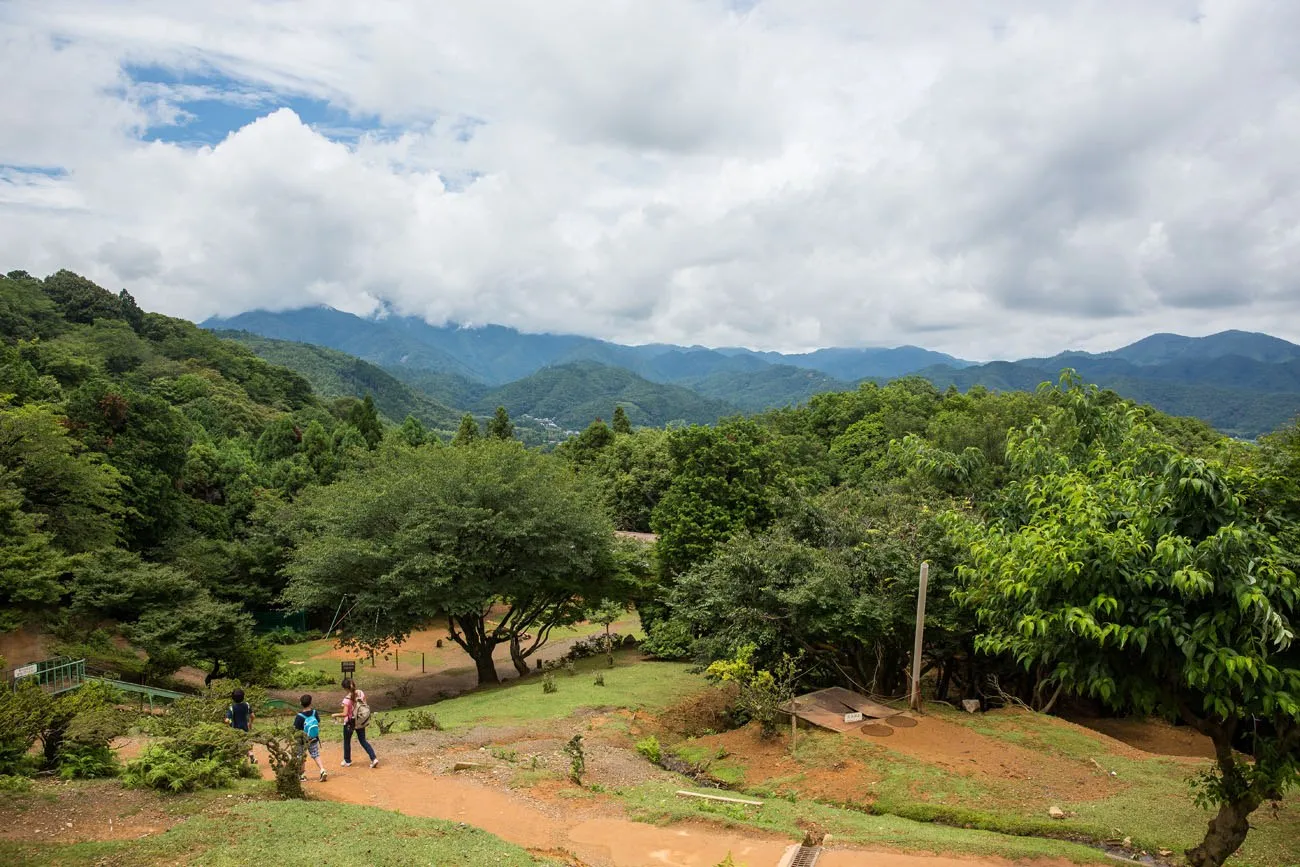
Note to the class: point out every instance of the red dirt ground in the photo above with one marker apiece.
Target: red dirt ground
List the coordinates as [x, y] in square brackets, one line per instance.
[1153, 736]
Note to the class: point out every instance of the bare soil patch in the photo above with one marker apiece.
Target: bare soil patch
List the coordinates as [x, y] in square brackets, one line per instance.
[88, 811]
[1153, 736]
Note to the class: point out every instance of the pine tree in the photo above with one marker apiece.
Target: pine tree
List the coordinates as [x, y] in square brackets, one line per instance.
[365, 418]
[621, 423]
[500, 426]
[468, 431]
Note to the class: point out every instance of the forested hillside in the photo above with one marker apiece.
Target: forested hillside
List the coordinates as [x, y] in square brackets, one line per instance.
[334, 374]
[135, 452]
[574, 394]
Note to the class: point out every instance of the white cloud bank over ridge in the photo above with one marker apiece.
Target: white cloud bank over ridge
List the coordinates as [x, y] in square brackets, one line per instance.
[989, 179]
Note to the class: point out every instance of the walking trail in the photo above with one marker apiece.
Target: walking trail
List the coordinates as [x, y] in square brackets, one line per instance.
[598, 836]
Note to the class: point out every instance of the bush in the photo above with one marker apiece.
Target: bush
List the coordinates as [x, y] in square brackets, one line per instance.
[420, 720]
[761, 691]
[670, 639]
[14, 784]
[548, 683]
[577, 759]
[651, 749]
[594, 645]
[296, 677]
[79, 761]
[286, 761]
[287, 635]
[600, 679]
[206, 756]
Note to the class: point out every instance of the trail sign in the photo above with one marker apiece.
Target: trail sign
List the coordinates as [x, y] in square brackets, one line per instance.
[856, 716]
[349, 666]
[25, 671]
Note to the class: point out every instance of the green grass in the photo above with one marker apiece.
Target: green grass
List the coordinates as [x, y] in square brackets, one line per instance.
[657, 803]
[1149, 800]
[629, 684]
[289, 834]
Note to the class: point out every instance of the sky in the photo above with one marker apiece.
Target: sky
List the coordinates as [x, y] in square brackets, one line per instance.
[988, 179]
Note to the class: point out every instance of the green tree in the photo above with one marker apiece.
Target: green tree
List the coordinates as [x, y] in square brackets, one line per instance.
[724, 480]
[364, 417]
[412, 432]
[621, 424]
[1152, 581]
[452, 533]
[31, 567]
[73, 494]
[633, 472]
[588, 445]
[467, 432]
[500, 426]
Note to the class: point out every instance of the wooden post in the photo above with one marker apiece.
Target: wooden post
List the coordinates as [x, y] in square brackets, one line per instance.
[920, 631]
[421, 662]
[794, 725]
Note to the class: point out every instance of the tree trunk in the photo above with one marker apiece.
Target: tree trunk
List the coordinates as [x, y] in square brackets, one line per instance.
[487, 669]
[517, 656]
[1227, 831]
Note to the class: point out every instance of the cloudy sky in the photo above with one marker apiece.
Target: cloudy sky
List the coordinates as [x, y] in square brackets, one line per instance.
[992, 179]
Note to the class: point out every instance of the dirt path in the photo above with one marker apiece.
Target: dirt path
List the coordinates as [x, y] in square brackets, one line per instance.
[598, 835]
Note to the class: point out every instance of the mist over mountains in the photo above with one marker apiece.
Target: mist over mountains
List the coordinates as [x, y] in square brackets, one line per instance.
[1243, 383]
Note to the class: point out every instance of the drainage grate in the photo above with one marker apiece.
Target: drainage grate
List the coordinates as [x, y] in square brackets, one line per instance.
[806, 856]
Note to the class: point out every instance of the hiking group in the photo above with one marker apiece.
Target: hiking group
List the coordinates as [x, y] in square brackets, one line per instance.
[355, 716]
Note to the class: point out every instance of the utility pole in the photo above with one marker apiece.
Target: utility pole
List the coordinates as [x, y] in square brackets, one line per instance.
[920, 631]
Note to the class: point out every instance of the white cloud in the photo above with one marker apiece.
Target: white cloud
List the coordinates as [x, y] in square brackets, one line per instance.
[990, 179]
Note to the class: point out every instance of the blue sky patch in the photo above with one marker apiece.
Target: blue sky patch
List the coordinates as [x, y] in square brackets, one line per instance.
[202, 108]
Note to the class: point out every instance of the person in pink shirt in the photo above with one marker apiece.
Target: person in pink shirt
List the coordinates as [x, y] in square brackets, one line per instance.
[355, 723]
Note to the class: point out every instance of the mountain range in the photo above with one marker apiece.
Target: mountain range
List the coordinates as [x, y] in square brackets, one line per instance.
[1243, 383]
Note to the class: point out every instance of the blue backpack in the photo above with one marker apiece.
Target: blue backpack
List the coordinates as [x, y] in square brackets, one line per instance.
[310, 724]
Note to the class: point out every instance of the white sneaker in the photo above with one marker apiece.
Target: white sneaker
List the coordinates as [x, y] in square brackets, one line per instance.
[374, 763]
[323, 776]
[345, 764]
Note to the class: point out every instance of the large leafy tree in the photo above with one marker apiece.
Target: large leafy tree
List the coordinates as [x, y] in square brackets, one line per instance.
[1153, 581]
[503, 543]
[724, 481]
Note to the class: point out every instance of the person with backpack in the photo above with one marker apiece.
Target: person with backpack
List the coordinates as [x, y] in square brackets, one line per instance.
[240, 716]
[307, 723]
[356, 714]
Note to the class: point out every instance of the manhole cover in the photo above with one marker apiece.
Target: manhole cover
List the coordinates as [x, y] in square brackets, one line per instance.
[806, 856]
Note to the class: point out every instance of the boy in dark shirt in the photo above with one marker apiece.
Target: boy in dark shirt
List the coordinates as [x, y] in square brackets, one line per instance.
[240, 716]
[308, 723]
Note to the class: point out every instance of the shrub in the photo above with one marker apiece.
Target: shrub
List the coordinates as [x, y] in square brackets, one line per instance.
[594, 645]
[669, 639]
[651, 749]
[79, 761]
[205, 756]
[569, 668]
[420, 720]
[297, 677]
[286, 761]
[577, 759]
[14, 784]
[761, 691]
[600, 679]
[548, 683]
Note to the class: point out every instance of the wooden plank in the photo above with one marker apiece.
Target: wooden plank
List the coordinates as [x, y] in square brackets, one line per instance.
[686, 794]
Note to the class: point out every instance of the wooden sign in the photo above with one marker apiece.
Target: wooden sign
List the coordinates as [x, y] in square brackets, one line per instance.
[349, 666]
[856, 716]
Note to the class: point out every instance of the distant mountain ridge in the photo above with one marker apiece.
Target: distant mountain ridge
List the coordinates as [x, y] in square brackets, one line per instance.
[1243, 383]
[495, 354]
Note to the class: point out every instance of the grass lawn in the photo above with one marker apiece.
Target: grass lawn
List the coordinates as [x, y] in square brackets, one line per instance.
[658, 804]
[1149, 801]
[631, 683]
[289, 834]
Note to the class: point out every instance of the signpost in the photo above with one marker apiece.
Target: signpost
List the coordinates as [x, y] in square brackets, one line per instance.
[916, 646]
[349, 666]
